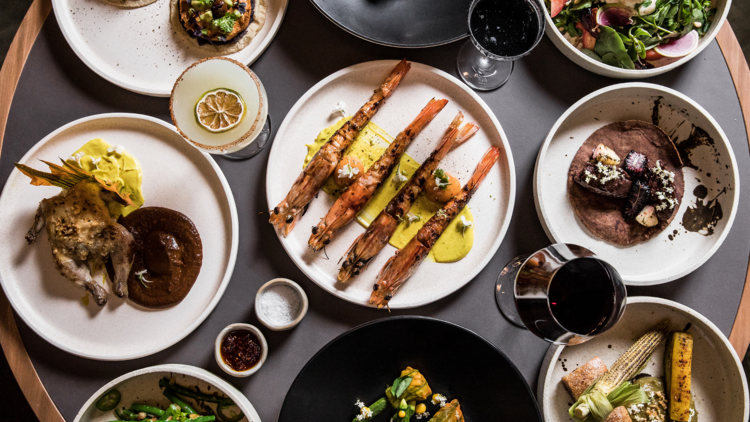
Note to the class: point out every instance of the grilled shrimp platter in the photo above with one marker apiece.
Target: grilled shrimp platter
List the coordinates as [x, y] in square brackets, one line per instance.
[662, 362]
[390, 184]
[102, 243]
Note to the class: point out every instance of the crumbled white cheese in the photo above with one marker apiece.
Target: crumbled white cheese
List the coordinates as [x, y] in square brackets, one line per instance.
[665, 177]
[439, 398]
[608, 173]
[117, 149]
[465, 224]
[348, 171]
[425, 415]
[589, 176]
[339, 108]
[77, 158]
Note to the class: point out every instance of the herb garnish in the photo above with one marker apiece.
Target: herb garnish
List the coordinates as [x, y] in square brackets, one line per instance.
[441, 179]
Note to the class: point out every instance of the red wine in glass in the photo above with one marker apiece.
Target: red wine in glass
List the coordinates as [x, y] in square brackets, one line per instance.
[562, 293]
[501, 31]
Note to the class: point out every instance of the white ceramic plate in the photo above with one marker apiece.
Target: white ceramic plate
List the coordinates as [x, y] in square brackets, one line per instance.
[142, 386]
[138, 49]
[492, 205]
[668, 255]
[52, 306]
[665, 65]
[718, 381]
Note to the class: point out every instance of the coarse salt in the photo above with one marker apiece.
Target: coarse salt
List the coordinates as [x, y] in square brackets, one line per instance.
[280, 304]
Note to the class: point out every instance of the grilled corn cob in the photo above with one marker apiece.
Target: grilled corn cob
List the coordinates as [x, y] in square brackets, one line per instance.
[626, 367]
[677, 364]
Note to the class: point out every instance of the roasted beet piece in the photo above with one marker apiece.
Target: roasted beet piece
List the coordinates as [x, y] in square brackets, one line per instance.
[638, 198]
[636, 164]
[615, 188]
[588, 20]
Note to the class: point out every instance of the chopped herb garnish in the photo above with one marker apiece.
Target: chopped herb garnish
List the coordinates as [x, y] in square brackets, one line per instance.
[441, 179]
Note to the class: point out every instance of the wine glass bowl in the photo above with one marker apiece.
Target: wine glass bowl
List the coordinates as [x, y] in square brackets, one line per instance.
[500, 32]
[563, 294]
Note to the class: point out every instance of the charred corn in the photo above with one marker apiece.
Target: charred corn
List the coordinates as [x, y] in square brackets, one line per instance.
[678, 362]
[605, 155]
[629, 365]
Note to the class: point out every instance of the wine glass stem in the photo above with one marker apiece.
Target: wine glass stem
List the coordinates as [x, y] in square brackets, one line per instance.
[484, 65]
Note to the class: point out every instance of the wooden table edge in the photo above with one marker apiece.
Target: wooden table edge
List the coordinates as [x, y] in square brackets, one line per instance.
[10, 338]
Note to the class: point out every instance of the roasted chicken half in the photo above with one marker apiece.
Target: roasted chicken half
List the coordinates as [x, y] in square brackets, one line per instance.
[83, 236]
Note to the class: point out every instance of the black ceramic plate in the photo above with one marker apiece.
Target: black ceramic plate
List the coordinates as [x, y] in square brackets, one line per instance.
[400, 23]
[457, 363]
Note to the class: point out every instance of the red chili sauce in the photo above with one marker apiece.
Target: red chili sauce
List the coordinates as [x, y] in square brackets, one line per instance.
[241, 350]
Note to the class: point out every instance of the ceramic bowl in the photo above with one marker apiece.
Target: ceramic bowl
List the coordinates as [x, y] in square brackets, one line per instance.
[719, 385]
[142, 386]
[210, 74]
[674, 252]
[263, 345]
[586, 62]
[265, 320]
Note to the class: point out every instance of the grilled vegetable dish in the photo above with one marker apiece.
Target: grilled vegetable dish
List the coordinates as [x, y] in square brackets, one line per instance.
[408, 395]
[623, 394]
[186, 404]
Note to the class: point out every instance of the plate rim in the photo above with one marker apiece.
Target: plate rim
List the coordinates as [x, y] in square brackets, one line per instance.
[669, 92]
[66, 27]
[234, 222]
[176, 368]
[492, 251]
[554, 351]
[416, 318]
[381, 42]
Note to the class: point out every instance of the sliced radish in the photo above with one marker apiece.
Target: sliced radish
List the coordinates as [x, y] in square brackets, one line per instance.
[615, 15]
[557, 7]
[680, 47]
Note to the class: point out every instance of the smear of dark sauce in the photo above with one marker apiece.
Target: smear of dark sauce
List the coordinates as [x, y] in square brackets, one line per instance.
[705, 215]
[698, 137]
[655, 111]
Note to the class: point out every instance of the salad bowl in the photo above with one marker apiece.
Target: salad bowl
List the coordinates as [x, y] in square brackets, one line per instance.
[664, 65]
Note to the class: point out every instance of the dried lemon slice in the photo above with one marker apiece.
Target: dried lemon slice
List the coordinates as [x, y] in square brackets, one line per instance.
[220, 110]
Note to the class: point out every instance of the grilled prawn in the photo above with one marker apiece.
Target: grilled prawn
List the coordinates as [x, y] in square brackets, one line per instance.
[354, 199]
[374, 239]
[406, 261]
[307, 185]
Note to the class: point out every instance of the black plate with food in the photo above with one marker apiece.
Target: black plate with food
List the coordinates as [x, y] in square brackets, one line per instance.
[409, 24]
[359, 365]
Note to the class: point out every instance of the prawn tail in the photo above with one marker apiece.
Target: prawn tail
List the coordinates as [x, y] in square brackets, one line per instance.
[394, 78]
[485, 165]
[465, 132]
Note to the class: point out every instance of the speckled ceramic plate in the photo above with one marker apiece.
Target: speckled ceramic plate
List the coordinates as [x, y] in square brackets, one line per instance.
[138, 49]
[142, 386]
[711, 181]
[492, 205]
[718, 382]
[52, 306]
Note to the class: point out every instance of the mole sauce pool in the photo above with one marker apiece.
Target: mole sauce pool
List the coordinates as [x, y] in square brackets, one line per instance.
[241, 350]
[505, 27]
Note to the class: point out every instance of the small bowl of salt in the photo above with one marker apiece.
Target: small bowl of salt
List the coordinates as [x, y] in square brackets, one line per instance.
[280, 304]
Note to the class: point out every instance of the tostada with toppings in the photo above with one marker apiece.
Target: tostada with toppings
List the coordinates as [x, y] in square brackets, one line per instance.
[218, 26]
[625, 183]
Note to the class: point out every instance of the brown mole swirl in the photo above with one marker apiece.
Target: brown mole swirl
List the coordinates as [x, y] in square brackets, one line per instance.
[168, 258]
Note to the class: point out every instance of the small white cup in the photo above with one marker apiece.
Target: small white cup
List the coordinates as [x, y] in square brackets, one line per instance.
[263, 345]
[303, 302]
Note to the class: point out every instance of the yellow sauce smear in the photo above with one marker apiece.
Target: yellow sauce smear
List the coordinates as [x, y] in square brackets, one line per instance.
[368, 146]
[120, 167]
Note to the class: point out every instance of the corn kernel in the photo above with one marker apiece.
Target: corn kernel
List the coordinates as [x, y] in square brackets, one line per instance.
[401, 414]
[421, 408]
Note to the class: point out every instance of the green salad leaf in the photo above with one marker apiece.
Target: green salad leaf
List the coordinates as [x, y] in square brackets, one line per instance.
[611, 49]
[225, 24]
